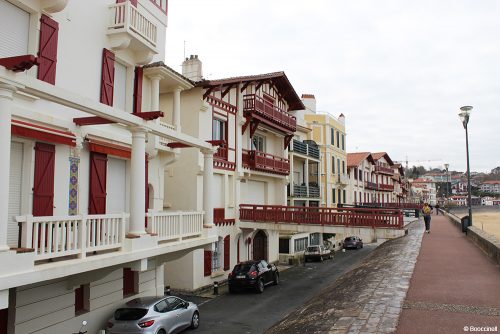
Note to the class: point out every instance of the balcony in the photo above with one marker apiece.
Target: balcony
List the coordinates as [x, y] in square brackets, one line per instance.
[384, 170]
[305, 149]
[313, 191]
[343, 179]
[221, 159]
[161, 143]
[129, 27]
[175, 226]
[264, 162]
[386, 187]
[371, 185]
[256, 107]
[220, 218]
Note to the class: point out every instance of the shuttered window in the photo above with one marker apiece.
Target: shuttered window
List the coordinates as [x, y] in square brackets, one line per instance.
[15, 187]
[14, 30]
[107, 77]
[207, 263]
[43, 189]
[97, 189]
[227, 253]
[47, 52]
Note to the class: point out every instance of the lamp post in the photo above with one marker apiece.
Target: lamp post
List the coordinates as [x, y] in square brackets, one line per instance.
[446, 166]
[464, 117]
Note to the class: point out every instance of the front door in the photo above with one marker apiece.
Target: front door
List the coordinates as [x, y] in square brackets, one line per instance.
[260, 246]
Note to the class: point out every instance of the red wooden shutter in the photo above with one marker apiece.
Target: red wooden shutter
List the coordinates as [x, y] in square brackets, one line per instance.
[207, 263]
[227, 253]
[130, 282]
[107, 77]
[47, 51]
[138, 90]
[43, 189]
[97, 189]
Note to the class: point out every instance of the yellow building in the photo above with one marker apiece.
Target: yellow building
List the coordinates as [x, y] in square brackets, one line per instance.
[329, 133]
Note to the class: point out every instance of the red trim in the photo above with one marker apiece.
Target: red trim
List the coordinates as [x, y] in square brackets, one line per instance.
[47, 51]
[207, 263]
[23, 129]
[138, 89]
[19, 63]
[92, 120]
[227, 252]
[150, 115]
[178, 145]
[97, 183]
[109, 148]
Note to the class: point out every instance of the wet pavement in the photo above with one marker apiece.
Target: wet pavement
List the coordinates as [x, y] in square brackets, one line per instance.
[368, 299]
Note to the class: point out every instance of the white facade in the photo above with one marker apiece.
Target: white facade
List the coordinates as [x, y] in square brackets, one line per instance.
[78, 186]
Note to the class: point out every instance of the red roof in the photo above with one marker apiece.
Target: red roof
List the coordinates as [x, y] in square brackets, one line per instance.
[355, 159]
[378, 155]
[278, 79]
[308, 96]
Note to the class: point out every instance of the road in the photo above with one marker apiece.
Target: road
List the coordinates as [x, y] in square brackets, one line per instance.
[248, 312]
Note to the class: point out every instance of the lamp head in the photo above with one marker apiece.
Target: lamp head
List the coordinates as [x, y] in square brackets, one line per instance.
[464, 115]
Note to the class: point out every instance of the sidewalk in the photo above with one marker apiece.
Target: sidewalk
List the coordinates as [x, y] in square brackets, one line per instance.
[454, 288]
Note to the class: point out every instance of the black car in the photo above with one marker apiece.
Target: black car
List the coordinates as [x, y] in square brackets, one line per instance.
[254, 275]
[353, 242]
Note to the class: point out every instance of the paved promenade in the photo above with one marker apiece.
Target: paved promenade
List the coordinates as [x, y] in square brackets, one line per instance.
[421, 283]
[454, 285]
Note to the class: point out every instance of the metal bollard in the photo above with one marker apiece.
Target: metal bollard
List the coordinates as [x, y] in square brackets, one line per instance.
[216, 288]
[167, 290]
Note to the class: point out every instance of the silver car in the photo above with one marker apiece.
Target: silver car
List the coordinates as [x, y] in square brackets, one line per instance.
[154, 315]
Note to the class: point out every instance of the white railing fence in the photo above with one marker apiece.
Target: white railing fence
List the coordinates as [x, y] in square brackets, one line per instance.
[53, 237]
[125, 15]
[175, 225]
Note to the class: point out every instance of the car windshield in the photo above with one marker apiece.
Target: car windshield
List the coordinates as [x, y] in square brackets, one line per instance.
[312, 249]
[130, 313]
[244, 267]
[349, 239]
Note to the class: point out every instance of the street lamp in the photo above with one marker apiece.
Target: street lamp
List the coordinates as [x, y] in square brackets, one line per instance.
[446, 166]
[464, 117]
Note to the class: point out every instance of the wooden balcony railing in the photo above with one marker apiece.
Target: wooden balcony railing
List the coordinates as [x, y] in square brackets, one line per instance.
[384, 170]
[175, 225]
[371, 185]
[408, 205]
[54, 237]
[365, 217]
[265, 162]
[386, 187]
[267, 112]
[220, 217]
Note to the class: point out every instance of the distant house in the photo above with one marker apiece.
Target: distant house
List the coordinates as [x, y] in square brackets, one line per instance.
[491, 186]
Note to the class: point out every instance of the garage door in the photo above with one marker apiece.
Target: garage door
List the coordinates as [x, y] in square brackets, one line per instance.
[15, 186]
[14, 30]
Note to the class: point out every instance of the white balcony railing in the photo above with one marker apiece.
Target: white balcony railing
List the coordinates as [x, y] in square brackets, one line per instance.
[163, 142]
[175, 225]
[52, 237]
[125, 16]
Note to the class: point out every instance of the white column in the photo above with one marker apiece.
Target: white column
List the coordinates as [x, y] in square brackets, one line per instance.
[138, 182]
[155, 93]
[208, 175]
[240, 120]
[6, 92]
[176, 117]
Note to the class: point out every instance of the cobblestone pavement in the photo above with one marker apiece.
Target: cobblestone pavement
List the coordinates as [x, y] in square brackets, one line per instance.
[367, 299]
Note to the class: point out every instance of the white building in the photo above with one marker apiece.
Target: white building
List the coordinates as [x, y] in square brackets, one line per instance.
[84, 156]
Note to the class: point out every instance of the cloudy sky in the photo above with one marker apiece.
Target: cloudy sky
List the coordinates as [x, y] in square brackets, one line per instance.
[398, 69]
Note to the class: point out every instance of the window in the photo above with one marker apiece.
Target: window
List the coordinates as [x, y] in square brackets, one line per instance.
[338, 165]
[174, 303]
[333, 164]
[333, 196]
[218, 251]
[343, 193]
[332, 136]
[284, 246]
[219, 129]
[130, 282]
[259, 143]
[314, 239]
[343, 167]
[300, 244]
[355, 173]
[340, 195]
[162, 306]
[355, 197]
[14, 30]
[361, 175]
[343, 142]
[82, 299]
[120, 86]
[338, 139]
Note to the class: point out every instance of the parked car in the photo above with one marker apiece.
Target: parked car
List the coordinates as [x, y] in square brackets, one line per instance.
[253, 275]
[154, 315]
[317, 252]
[353, 242]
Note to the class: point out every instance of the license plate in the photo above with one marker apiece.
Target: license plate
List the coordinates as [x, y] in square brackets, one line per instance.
[240, 276]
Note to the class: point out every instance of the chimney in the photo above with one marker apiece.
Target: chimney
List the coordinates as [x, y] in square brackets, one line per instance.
[191, 68]
[309, 101]
[342, 119]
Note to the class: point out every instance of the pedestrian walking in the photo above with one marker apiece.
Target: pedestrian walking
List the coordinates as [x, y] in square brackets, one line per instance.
[426, 211]
[437, 209]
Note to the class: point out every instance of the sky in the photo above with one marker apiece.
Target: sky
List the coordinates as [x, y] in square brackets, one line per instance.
[399, 70]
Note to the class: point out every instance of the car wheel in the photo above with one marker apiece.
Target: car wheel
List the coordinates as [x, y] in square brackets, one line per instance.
[260, 286]
[361, 245]
[161, 331]
[195, 320]
[276, 279]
